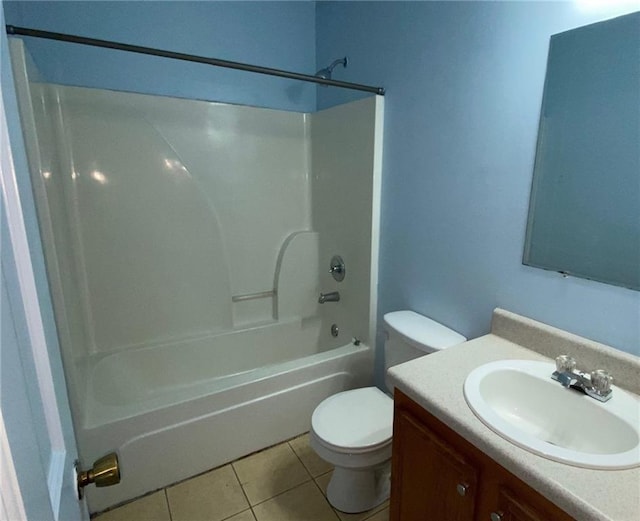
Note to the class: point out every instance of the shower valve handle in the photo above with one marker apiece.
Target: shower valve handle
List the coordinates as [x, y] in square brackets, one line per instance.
[336, 268]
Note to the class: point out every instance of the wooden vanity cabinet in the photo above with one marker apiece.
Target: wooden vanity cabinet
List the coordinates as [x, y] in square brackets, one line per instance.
[453, 484]
[439, 476]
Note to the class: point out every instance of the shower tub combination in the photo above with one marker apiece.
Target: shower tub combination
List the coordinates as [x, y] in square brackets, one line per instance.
[187, 243]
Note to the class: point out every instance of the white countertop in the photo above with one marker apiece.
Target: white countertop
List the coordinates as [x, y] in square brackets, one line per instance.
[436, 383]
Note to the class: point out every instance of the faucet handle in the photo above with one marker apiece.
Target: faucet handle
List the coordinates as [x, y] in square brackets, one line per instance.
[601, 381]
[565, 364]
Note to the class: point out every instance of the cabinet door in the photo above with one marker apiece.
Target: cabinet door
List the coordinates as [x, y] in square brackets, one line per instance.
[430, 481]
[515, 508]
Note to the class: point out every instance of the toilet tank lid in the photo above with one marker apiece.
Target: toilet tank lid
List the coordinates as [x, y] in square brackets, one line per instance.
[421, 331]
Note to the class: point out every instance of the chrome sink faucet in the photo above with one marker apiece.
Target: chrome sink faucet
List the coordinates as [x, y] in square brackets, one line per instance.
[597, 384]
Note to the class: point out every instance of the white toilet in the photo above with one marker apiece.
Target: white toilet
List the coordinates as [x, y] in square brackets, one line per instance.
[352, 430]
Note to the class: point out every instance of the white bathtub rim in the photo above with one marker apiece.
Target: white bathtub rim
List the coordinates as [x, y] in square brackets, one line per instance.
[200, 391]
[131, 376]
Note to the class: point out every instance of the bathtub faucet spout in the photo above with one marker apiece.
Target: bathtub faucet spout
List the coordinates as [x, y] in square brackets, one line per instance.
[334, 296]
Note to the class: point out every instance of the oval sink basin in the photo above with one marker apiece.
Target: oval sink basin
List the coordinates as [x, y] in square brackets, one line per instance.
[519, 401]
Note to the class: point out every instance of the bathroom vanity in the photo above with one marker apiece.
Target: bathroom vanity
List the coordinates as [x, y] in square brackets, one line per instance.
[449, 465]
[437, 474]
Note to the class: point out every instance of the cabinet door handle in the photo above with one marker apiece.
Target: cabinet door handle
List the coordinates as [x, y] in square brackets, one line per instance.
[462, 489]
[496, 516]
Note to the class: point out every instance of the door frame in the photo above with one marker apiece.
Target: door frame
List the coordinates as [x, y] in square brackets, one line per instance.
[40, 484]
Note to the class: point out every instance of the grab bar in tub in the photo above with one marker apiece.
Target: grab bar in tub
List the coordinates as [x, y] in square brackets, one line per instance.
[252, 296]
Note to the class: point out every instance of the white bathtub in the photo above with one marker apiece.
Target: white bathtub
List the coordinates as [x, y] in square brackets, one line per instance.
[175, 410]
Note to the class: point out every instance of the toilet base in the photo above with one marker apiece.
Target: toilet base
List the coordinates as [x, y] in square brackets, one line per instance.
[353, 490]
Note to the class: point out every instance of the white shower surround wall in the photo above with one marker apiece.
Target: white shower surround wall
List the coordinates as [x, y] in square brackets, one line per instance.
[187, 202]
[155, 212]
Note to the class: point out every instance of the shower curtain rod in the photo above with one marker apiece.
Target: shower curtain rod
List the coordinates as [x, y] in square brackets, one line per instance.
[36, 33]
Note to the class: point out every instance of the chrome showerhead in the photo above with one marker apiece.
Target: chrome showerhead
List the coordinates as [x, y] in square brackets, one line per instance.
[326, 72]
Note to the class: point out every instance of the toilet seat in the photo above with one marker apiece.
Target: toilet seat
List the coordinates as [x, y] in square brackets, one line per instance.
[356, 421]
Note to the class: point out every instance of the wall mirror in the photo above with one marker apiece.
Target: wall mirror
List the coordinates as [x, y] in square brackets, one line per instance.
[584, 211]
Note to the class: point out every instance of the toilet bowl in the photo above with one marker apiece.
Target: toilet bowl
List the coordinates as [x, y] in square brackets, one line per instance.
[352, 430]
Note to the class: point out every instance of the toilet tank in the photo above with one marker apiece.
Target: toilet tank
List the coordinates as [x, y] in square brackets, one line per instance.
[411, 335]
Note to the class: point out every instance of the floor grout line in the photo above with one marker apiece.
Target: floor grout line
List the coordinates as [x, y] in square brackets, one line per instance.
[309, 476]
[324, 492]
[326, 500]
[242, 488]
[299, 458]
[166, 498]
[282, 492]
[313, 478]
[238, 513]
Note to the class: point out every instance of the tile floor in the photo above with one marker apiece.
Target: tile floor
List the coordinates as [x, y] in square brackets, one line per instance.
[284, 483]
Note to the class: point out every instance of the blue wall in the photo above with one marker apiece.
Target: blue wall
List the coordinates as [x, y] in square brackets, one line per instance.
[464, 87]
[271, 34]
